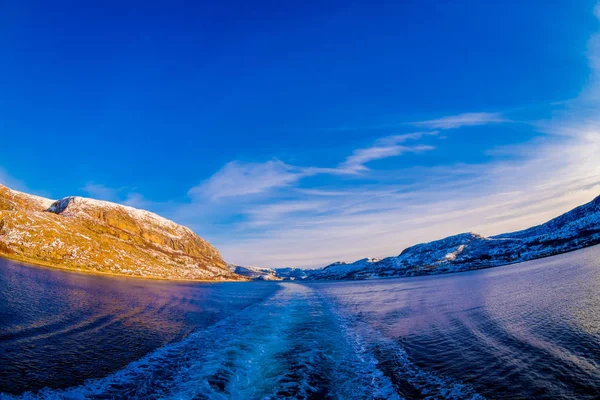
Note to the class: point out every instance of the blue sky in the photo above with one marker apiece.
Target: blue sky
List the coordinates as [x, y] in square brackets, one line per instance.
[300, 133]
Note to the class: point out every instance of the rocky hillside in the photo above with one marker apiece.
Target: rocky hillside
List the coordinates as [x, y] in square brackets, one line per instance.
[101, 237]
[573, 230]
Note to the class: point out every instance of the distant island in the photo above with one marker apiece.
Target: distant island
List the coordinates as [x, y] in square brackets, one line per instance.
[573, 230]
[96, 236]
[93, 236]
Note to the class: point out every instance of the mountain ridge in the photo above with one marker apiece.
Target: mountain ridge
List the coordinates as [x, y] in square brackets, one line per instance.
[95, 236]
[573, 230]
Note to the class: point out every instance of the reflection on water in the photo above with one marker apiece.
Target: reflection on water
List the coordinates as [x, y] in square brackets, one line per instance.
[524, 331]
[58, 329]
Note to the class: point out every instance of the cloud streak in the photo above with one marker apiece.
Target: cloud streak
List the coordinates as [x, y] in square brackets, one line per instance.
[241, 179]
[462, 120]
[386, 147]
[541, 178]
[237, 179]
[447, 122]
[275, 214]
[359, 158]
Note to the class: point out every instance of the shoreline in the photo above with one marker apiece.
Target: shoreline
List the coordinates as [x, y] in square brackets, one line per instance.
[44, 264]
[447, 273]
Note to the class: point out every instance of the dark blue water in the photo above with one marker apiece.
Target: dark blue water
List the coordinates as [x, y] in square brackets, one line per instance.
[530, 330]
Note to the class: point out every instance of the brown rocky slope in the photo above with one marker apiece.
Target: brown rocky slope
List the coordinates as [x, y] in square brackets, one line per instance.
[101, 237]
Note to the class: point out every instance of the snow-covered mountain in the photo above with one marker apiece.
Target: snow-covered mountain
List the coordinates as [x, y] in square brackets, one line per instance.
[573, 230]
[96, 236]
[256, 273]
[270, 274]
[292, 273]
[341, 268]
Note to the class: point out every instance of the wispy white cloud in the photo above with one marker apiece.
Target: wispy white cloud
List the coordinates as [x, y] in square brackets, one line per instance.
[461, 120]
[267, 215]
[382, 224]
[271, 214]
[405, 137]
[385, 147]
[523, 184]
[240, 179]
[321, 192]
[237, 179]
[314, 225]
[447, 122]
[274, 220]
[356, 162]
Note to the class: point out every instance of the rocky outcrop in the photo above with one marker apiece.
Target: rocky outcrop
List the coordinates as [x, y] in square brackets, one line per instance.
[102, 237]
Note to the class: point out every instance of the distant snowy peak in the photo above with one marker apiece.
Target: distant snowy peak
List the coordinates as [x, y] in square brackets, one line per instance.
[291, 273]
[573, 230]
[337, 263]
[363, 261]
[446, 243]
[340, 269]
[270, 274]
[256, 273]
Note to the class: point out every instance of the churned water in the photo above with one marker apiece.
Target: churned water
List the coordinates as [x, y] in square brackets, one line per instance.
[530, 330]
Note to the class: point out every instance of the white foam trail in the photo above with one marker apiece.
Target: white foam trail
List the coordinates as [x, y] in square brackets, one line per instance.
[291, 345]
[404, 373]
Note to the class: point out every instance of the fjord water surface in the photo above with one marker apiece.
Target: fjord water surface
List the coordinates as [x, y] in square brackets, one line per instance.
[530, 330]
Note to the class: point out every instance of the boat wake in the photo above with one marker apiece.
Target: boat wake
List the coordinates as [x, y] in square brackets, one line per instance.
[295, 344]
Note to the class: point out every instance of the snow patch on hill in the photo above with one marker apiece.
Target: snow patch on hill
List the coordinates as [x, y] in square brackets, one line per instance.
[256, 273]
[75, 205]
[102, 237]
